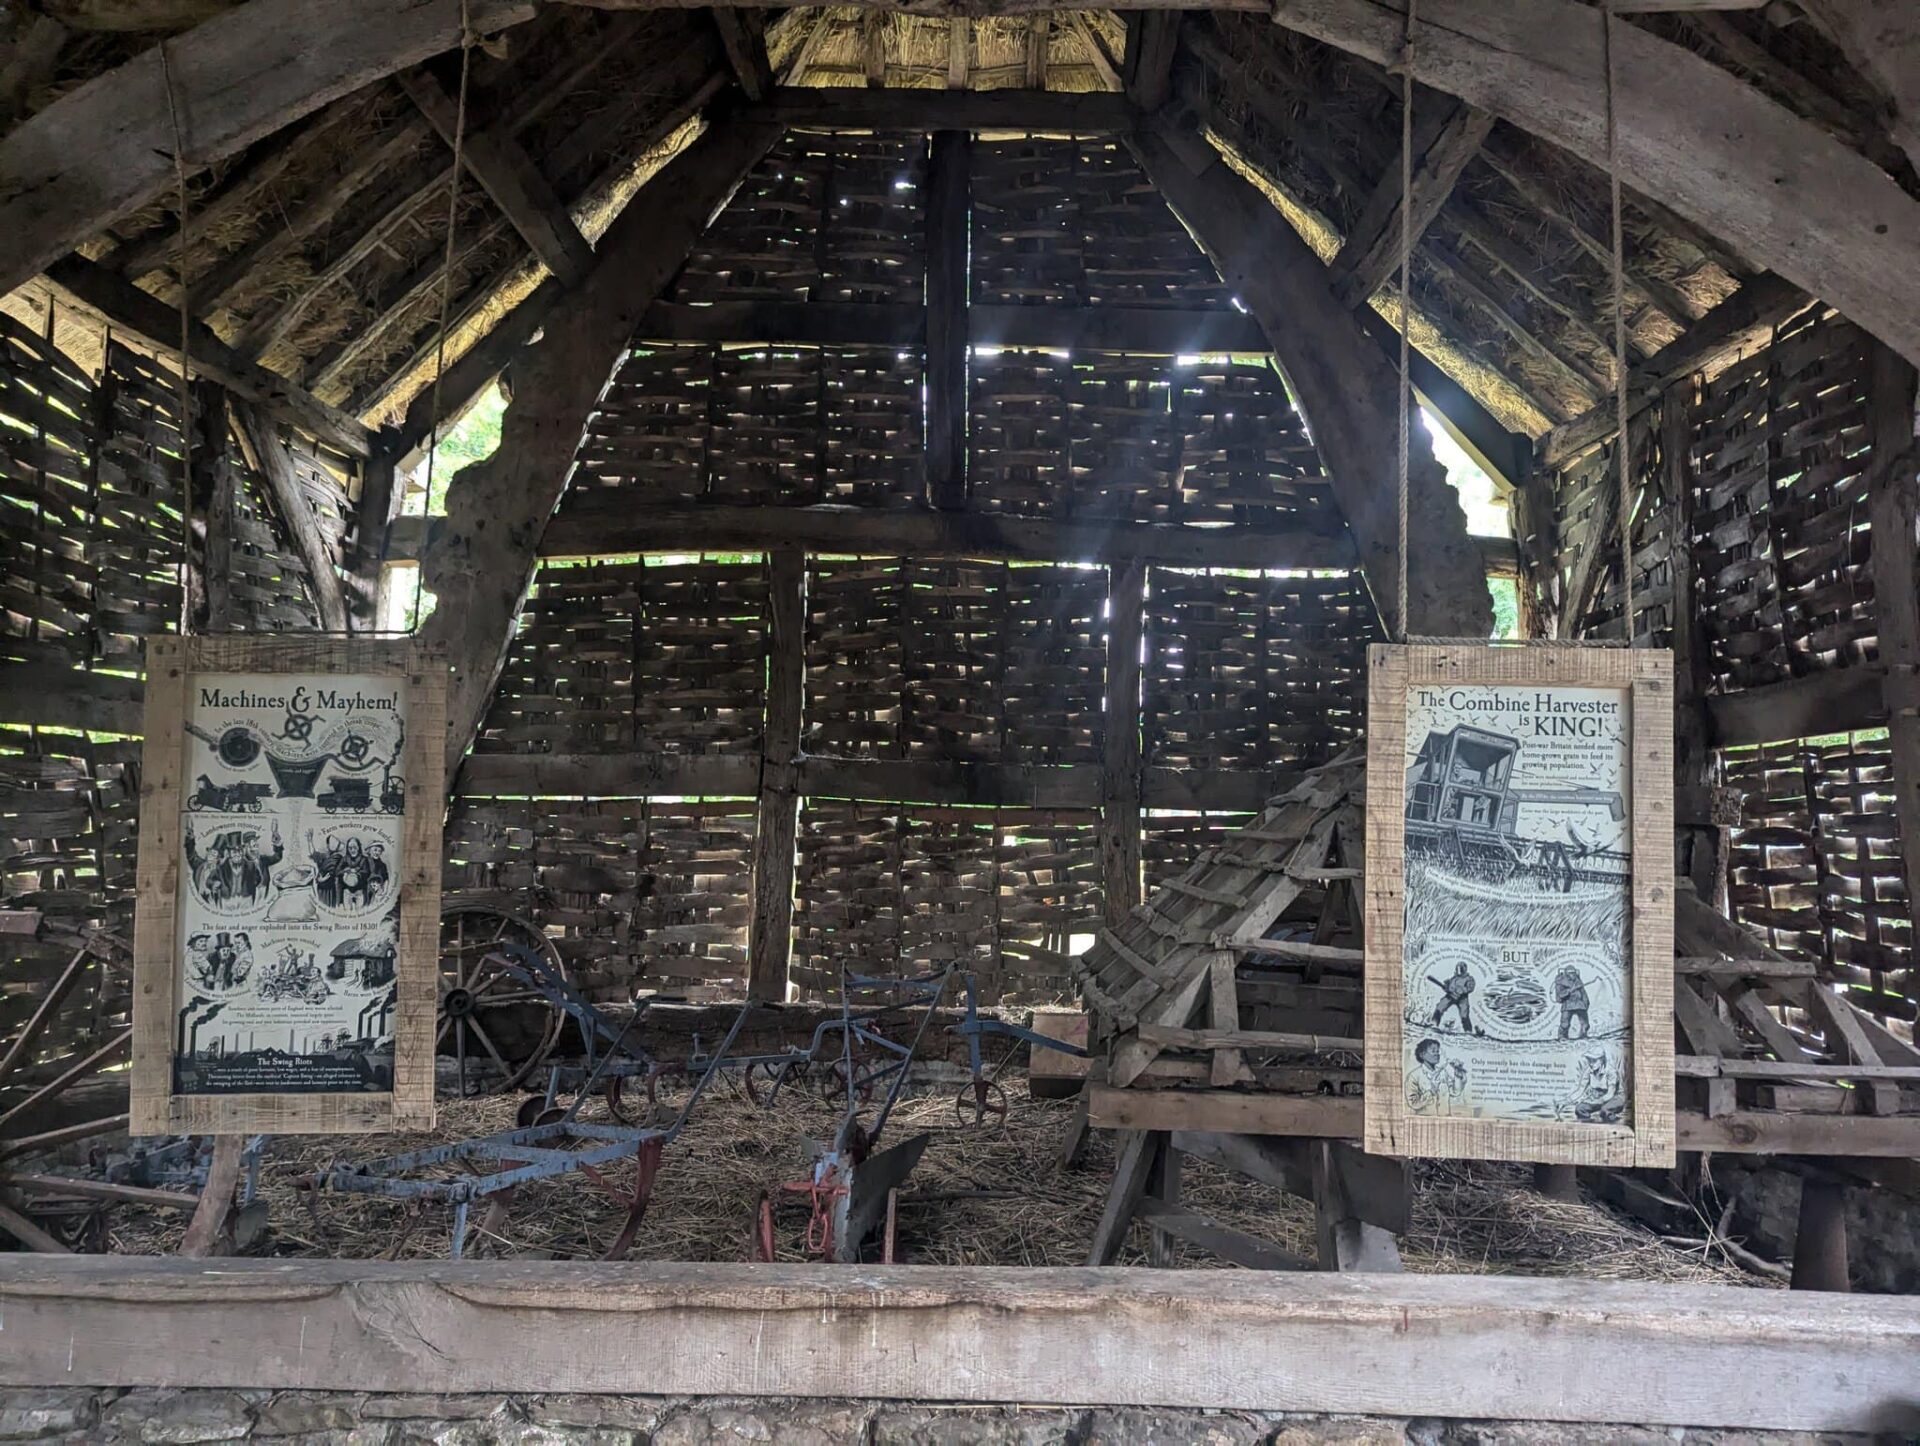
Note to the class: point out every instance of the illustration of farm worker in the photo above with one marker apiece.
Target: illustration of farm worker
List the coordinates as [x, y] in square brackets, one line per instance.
[378, 874]
[1598, 1098]
[1570, 993]
[326, 870]
[1455, 990]
[238, 868]
[1435, 1082]
[354, 876]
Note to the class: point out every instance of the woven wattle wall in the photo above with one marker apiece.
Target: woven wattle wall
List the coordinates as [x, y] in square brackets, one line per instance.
[1779, 451]
[91, 537]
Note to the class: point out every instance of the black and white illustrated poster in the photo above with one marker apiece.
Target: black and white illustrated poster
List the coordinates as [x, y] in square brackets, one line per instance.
[291, 818]
[1518, 858]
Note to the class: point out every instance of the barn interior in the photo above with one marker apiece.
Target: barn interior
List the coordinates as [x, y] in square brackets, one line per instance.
[905, 493]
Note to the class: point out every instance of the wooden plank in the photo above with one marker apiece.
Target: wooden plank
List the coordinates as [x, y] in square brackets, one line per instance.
[1236, 1247]
[1412, 1345]
[508, 175]
[482, 555]
[105, 149]
[1835, 700]
[94, 291]
[949, 223]
[770, 929]
[1110, 1107]
[1758, 1133]
[1539, 66]
[1370, 256]
[805, 323]
[1046, 112]
[1343, 382]
[743, 35]
[40, 693]
[303, 528]
[604, 528]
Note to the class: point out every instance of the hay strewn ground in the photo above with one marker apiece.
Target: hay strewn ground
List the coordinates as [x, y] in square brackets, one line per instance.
[978, 1198]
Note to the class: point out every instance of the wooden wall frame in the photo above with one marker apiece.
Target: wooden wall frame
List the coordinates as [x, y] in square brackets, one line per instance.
[1644, 678]
[167, 777]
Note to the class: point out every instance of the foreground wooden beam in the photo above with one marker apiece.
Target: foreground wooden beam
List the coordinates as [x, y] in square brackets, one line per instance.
[303, 528]
[480, 558]
[91, 288]
[1407, 1345]
[1344, 384]
[106, 148]
[1691, 136]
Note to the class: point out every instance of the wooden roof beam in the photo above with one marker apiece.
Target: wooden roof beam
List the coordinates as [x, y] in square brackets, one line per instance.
[1047, 111]
[481, 556]
[303, 528]
[1039, 32]
[1691, 135]
[1153, 37]
[1443, 147]
[510, 177]
[93, 289]
[1343, 382]
[873, 48]
[1096, 51]
[743, 36]
[106, 148]
[959, 51]
[1882, 40]
[1743, 320]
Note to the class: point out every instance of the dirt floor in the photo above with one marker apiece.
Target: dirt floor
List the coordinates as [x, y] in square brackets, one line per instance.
[979, 1197]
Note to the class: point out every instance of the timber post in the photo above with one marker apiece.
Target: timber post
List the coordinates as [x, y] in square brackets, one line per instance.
[770, 934]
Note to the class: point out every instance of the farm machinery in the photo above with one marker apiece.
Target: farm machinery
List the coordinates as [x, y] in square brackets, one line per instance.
[1463, 810]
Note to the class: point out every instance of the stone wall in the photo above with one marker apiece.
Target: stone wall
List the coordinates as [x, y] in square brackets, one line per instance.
[349, 1419]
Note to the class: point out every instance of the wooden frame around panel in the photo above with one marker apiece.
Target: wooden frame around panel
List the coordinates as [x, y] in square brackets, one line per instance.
[172, 662]
[1647, 676]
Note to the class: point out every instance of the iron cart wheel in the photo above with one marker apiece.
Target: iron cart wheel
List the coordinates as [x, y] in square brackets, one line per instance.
[487, 1009]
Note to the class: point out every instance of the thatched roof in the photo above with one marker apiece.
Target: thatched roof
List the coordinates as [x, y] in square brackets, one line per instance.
[318, 251]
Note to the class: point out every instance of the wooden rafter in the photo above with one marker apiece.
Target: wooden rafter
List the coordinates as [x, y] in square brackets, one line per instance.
[959, 51]
[106, 149]
[1443, 146]
[849, 108]
[96, 291]
[1103, 63]
[873, 48]
[1691, 135]
[509, 176]
[1153, 37]
[1743, 319]
[481, 557]
[1342, 380]
[1882, 40]
[481, 362]
[743, 36]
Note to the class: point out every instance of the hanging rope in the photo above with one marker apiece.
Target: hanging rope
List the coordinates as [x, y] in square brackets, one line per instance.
[446, 283]
[186, 324]
[1622, 446]
[1406, 317]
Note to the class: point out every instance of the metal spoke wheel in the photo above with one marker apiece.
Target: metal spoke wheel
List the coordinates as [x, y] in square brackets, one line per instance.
[489, 1013]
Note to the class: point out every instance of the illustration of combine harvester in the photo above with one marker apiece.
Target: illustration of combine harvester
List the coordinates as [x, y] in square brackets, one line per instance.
[1463, 811]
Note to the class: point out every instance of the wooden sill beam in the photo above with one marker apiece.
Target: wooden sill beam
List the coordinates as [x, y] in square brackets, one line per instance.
[96, 291]
[1407, 1345]
[510, 177]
